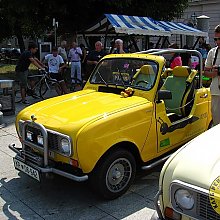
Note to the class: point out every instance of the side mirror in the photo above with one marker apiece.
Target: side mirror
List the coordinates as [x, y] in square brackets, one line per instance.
[164, 94]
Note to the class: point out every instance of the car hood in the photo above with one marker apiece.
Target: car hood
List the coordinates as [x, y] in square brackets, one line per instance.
[198, 162]
[78, 108]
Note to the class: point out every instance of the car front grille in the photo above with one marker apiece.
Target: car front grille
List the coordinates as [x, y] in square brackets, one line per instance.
[53, 138]
[204, 209]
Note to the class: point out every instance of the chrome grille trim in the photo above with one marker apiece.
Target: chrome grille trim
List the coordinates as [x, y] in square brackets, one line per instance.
[53, 137]
[202, 208]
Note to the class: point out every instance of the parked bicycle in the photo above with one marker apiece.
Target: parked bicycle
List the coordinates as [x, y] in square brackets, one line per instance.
[76, 84]
[44, 87]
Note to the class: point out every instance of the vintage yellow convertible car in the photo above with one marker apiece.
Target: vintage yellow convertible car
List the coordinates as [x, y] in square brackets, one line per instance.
[132, 113]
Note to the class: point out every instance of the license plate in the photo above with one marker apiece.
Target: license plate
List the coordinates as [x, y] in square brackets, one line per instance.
[27, 169]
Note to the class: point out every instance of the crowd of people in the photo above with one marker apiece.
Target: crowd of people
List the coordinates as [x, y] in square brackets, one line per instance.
[82, 64]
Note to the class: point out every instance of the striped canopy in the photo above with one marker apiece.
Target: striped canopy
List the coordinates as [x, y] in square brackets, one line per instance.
[181, 28]
[136, 25]
[124, 24]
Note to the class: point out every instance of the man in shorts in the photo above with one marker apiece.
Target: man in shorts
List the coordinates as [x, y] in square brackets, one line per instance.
[21, 69]
[56, 65]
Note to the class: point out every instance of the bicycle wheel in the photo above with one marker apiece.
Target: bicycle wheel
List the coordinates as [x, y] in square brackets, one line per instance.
[50, 88]
[17, 92]
[34, 90]
[76, 84]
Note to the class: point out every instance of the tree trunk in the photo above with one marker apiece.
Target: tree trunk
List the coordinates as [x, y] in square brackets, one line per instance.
[20, 38]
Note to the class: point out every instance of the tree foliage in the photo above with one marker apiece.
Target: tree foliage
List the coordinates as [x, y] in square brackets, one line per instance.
[33, 18]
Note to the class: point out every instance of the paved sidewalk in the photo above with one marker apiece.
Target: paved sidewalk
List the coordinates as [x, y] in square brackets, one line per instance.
[24, 198]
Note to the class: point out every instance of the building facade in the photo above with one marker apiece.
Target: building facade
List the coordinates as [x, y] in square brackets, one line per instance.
[208, 8]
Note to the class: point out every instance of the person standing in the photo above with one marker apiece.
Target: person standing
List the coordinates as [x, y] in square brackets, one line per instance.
[118, 46]
[83, 60]
[74, 57]
[56, 65]
[21, 69]
[94, 56]
[186, 57]
[176, 58]
[62, 51]
[212, 70]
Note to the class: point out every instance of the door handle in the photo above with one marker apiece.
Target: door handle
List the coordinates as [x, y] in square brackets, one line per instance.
[204, 95]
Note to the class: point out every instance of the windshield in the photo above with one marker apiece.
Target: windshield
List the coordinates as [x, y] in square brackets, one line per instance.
[135, 73]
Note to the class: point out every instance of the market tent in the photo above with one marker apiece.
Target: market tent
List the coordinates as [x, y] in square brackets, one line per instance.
[112, 25]
[124, 24]
[136, 25]
[181, 28]
[99, 28]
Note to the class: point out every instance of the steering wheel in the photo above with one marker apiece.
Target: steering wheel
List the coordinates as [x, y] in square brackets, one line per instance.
[142, 81]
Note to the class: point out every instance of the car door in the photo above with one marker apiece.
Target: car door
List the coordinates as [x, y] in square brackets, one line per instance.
[201, 112]
[169, 134]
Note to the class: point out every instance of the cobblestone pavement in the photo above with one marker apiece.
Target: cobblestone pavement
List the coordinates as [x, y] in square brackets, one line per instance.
[24, 198]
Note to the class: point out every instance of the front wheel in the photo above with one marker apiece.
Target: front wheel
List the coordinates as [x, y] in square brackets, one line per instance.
[50, 88]
[114, 174]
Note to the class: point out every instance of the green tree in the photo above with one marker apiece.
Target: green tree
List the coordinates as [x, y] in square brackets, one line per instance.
[33, 18]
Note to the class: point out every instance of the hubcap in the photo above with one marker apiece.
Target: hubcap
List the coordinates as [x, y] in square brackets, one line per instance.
[118, 175]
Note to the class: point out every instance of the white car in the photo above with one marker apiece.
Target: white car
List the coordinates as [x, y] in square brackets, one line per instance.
[189, 185]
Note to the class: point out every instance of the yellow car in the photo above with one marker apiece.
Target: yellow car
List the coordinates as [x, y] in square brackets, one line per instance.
[129, 115]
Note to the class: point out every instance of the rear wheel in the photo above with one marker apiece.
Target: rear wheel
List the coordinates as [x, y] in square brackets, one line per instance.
[33, 86]
[114, 174]
[210, 124]
[17, 92]
[76, 84]
[50, 88]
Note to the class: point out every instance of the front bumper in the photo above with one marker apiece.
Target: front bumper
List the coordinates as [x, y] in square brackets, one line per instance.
[157, 214]
[27, 159]
[39, 163]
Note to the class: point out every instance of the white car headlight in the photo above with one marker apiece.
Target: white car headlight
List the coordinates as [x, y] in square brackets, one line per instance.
[184, 199]
[40, 140]
[29, 135]
[65, 146]
[20, 127]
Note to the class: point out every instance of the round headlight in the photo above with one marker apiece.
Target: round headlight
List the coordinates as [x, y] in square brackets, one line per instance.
[184, 199]
[65, 146]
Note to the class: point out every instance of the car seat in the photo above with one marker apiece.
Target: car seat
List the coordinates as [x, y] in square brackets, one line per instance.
[182, 88]
[144, 77]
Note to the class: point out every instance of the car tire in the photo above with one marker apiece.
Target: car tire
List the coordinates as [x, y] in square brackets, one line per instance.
[114, 174]
[210, 124]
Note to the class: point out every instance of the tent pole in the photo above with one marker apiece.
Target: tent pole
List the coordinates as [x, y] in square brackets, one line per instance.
[106, 33]
[195, 43]
[134, 43]
[85, 39]
[181, 41]
[147, 40]
[165, 38]
[158, 42]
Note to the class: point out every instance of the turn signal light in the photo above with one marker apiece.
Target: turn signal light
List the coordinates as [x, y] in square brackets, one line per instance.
[171, 214]
[74, 163]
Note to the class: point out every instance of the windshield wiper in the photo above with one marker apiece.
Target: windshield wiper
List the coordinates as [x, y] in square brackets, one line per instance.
[102, 78]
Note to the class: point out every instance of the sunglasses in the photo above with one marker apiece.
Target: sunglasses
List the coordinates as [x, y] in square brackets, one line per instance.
[216, 38]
